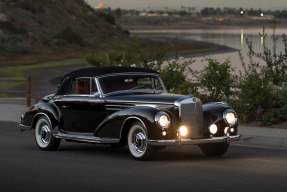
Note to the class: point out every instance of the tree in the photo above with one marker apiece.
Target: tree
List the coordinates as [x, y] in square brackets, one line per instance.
[117, 13]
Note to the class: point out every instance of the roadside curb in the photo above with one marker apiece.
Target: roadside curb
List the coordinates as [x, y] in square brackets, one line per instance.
[263, 141]
[16, 101]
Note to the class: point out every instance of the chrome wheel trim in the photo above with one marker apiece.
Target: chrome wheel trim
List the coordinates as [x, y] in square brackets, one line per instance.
[137, 141]
[43, 133]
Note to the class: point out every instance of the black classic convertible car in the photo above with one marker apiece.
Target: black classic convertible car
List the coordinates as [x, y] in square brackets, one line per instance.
[128, 106]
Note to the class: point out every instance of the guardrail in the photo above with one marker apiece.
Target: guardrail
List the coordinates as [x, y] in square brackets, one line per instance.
[27, 91]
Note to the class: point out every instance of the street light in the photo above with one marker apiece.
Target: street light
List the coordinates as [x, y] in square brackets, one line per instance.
[261, 14]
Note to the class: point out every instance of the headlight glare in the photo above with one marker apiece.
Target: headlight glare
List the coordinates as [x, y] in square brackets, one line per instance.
[213, 129]
[230, 117]
[183, 131]
[162, 119]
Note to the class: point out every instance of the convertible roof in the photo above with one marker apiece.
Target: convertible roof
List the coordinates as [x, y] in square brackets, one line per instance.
[97, 71]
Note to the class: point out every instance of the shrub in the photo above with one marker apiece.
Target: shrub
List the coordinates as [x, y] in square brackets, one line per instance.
[175, 78]
[216, 79]
[70, 36]
[107, 17]
[259, 79]
[140, 55]
[275, 115]
[255, 92]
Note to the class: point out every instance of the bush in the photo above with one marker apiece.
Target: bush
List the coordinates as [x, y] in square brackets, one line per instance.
[259, 81]
[140, 55]
[275, 115]
[175, 78]
[216, 80]
[70, 36]
[255, 92]
[107, 17]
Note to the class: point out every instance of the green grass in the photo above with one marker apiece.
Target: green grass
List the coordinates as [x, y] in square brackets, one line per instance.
[17, 71]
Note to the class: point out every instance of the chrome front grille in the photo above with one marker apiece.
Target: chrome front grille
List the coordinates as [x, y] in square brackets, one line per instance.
[191, 115]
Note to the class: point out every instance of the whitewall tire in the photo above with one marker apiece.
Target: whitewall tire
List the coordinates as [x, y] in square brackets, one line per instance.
[137, 143]
[43, 134]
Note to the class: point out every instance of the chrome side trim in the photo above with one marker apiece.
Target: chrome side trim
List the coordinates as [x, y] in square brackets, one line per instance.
[85, 138]
[181, 141]
[24, 127]
[41, 114]
[132, 117]
[139, 102]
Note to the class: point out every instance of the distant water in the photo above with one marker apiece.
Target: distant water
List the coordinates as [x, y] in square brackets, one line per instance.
[235, 38]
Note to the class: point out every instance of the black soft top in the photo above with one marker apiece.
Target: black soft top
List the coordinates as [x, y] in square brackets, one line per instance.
[97, 71]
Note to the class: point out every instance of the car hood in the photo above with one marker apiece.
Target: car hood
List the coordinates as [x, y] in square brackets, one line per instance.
[163, 98]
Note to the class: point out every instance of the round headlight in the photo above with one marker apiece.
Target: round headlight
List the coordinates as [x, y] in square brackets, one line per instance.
[230, 116]
[162, 119]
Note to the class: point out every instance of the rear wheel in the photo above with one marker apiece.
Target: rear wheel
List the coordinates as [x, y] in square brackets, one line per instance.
[43, 135]
[214, 149]
[137, 143]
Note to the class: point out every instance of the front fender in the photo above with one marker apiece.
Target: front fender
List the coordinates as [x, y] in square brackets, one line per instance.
[49, 109]
[213, 114]
[114, 125]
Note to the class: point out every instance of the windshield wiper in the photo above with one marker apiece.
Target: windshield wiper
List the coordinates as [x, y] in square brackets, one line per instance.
[136, 87]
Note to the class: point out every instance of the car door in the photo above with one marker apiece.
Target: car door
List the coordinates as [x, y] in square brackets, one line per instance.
[82, 108]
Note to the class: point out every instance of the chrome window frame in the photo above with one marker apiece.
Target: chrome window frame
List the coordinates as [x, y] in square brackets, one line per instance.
[126, 91]
[85, 95]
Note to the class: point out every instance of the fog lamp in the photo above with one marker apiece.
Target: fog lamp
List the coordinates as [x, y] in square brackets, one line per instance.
[213, 129]
[183, 131]
[232, 130]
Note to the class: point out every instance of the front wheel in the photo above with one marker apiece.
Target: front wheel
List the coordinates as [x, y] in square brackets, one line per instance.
[43, 135]
[137, 142]
[214, 149]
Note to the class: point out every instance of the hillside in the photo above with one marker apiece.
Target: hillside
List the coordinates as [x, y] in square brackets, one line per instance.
[53, 26]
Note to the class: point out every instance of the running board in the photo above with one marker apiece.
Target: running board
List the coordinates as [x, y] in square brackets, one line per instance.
[85, 138]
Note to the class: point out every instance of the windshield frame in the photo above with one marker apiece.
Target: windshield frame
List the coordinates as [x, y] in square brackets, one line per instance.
[131, 90]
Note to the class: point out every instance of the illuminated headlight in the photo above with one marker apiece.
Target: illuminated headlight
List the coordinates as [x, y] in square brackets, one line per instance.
[162, 119]
[183, 131]
[230, 117]
[213, 129]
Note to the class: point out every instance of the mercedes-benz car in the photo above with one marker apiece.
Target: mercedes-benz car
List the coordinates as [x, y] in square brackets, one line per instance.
[128, 106]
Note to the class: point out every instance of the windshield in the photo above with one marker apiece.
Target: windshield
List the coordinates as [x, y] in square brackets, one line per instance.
[111, 84]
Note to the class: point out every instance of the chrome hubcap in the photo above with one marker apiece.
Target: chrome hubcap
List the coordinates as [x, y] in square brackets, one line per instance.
[139, 141]
[45, 134]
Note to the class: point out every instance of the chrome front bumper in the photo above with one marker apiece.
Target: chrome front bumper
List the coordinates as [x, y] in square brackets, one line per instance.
[181, 141]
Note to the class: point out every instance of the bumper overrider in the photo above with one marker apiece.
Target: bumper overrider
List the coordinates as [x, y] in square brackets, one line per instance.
[182, 141]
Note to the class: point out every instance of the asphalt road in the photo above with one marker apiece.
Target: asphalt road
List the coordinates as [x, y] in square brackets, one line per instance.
[86, 167]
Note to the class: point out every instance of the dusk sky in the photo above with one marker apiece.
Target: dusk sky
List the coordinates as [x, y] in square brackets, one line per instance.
[143, 4]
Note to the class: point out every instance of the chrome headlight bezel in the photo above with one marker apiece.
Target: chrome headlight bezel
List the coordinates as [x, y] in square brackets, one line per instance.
[158, 117]
[225, 113]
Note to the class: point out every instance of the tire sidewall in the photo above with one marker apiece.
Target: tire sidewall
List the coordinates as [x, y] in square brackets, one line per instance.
[134, 154]
[53, 142]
